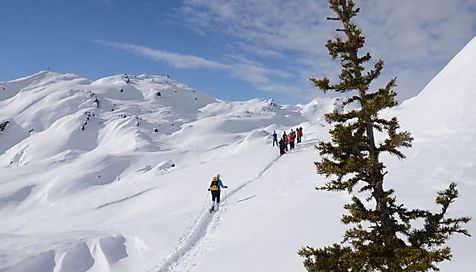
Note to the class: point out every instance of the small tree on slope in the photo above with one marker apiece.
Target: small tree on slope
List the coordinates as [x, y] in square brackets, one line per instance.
[383, 235]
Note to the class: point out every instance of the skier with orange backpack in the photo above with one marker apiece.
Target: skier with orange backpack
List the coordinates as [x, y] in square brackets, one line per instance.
[215, 189]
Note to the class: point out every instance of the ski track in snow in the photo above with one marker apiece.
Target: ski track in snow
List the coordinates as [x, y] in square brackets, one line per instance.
[190, 244]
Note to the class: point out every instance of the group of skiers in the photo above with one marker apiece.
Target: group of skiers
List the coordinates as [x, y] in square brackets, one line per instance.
[287, 139]
[295, 136]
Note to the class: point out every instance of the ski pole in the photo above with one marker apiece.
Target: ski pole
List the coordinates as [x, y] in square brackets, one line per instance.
[226, 195]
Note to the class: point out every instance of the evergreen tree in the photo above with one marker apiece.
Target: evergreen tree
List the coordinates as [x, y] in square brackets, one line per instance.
[383, 235]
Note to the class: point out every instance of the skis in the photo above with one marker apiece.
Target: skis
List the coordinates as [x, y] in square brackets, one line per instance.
[213, 208]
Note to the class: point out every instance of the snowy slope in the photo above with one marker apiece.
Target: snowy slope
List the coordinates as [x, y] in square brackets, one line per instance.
[112, 174]
[446, 103]
[106, 175]
[442, 119]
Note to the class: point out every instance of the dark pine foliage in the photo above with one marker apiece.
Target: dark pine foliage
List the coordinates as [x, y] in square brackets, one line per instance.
[382, 234]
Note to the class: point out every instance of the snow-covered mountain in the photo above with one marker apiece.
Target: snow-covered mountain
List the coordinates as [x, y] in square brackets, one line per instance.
[112, 174]
[447, 102]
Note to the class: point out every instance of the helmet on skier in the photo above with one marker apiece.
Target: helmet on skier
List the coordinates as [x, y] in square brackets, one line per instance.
[215, 178]
[218, 176]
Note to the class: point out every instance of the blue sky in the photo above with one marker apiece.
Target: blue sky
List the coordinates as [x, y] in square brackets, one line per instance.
[231, 49]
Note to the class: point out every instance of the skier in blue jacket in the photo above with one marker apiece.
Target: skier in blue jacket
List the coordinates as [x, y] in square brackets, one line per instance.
[215, 189]
[275, 138]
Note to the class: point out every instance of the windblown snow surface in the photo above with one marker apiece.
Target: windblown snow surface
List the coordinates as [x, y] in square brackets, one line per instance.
[111, 175]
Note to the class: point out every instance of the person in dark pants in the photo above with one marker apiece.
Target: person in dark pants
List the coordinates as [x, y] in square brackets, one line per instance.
[282, 147]
[299, 134]
[285, 138]
[215, 189]
[291, 137]
[275, 138]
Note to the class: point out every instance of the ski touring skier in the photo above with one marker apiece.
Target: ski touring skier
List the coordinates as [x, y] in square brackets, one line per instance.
[285, 139]
[291, 138]
[215, 189]
[275, 138]
[282, 147]
[299, 134]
